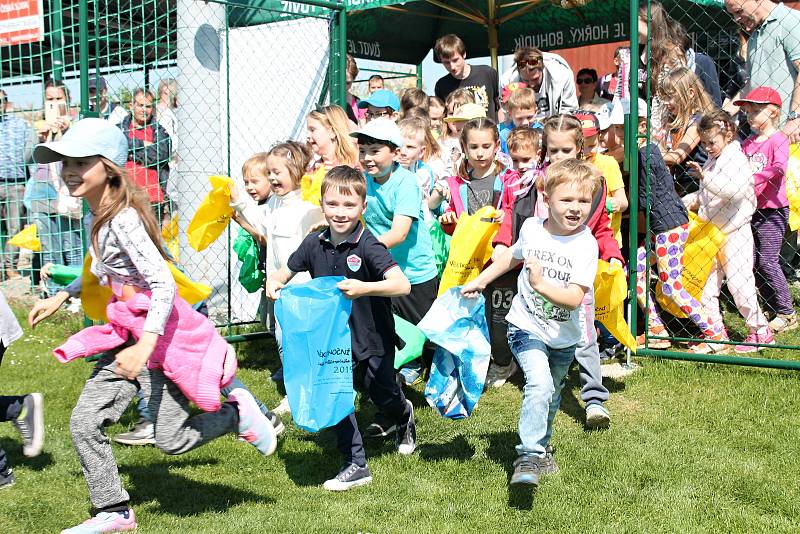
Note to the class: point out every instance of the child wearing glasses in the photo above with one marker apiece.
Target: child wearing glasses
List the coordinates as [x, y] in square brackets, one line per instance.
[588, 99]
[382, 104]
[547, 74]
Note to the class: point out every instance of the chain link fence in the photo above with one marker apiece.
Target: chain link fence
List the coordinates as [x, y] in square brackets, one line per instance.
[716, 257]
[198, 87]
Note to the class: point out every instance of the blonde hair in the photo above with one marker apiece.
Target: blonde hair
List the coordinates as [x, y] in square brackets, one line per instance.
[172, 87]
[458, 98]
[123, 194]
[523, 98]
[416, 125]
[255, 165]
[562, 123]
[572, 172]
[297, 157]
[677, 85]
[477, 125]
[345, 180]
[522, 138]
[334, 119]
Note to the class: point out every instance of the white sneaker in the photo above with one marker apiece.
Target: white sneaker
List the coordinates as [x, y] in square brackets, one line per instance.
[597, 416]
[498, 375]
[283, 407]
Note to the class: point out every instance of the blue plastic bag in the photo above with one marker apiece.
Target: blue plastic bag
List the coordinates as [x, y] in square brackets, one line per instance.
[458, 326]
[317, 356]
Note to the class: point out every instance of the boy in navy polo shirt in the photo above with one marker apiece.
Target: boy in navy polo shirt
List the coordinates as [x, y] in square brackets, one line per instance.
[348, 249]
[394, 214]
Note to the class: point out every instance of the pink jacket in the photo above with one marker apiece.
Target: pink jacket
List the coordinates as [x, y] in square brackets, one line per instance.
[191, 352]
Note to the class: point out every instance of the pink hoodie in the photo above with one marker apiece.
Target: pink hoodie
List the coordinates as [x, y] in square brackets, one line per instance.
[191, 352]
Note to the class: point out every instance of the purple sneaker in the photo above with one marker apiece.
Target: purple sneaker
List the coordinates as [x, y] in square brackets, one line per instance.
[105, 522]
[254, 427]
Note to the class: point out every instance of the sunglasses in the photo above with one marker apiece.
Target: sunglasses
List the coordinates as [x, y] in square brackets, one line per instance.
[531, 63]
[582, 81]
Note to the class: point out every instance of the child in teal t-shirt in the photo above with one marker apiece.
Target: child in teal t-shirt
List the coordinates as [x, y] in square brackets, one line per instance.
[394, 214]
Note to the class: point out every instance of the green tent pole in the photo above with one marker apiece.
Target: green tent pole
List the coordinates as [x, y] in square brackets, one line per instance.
[419, 76]
[631, 149]
[83, 51]
[57, 40]
[341, 77]
[492, 27]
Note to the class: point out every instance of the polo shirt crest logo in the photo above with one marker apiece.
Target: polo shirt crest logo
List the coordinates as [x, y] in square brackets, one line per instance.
[353, 262]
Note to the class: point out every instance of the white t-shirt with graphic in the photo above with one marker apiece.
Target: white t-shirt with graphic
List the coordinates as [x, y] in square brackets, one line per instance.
[565, 260]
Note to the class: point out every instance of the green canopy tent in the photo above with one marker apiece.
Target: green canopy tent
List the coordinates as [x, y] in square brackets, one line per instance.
[404, 32]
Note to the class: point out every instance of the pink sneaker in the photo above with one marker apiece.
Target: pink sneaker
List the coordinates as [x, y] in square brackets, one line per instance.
[765, 338]
[254, 427]
[105, 522]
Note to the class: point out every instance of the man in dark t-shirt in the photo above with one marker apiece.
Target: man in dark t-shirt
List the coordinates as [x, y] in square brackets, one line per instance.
[482, 81]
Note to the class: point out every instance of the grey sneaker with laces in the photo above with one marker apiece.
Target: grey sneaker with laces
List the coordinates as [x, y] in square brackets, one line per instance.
[30, 424]
[140, 434]
[528, 469]
[350, 476]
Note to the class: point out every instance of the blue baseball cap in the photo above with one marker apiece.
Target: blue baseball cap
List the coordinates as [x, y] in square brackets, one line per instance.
[87, 137]
[382, 98]
[382, 130]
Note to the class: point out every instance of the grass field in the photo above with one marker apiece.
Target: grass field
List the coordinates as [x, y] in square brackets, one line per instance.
[692, 448]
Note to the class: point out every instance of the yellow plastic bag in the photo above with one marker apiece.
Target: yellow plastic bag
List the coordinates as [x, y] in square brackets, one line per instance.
[94, 297]
[170, 235]
[27, 238]
[213, 215]
[793, 186]
[470, 248]
[311, 185]
[610, 289]
[704, 241]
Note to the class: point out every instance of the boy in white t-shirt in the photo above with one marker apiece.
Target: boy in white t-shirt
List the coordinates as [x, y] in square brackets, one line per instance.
[560, 256]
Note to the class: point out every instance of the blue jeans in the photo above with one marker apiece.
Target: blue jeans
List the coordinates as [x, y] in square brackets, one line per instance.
[61, 242]
[545, 371]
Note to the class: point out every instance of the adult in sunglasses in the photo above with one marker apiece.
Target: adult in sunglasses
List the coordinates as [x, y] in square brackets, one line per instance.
[588, 99]
[549, 75]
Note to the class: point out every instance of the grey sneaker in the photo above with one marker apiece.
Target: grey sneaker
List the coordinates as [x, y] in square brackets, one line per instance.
[528, 469]
[277, 424]
[30, 424]
[6, 478]
[140, 434]
[597, 416]
[407, 434]
[350, 476]
[497, 375]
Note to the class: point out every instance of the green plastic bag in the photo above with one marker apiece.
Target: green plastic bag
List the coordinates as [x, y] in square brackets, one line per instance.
[246, 248]
[441, 245]
[63, 275]
[413, 340]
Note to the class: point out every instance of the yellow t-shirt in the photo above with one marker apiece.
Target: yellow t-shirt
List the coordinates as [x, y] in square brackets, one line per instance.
[609, 168]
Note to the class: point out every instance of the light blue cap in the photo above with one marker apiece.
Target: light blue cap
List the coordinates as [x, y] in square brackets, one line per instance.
[87, 137]
[381, 129]
[382, 98]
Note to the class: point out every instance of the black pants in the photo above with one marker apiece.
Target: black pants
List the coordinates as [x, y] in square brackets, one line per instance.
[10, 406]
[377, 378]
[499, 295]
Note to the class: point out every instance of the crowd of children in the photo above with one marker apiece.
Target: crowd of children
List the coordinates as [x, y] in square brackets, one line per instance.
[359, 198]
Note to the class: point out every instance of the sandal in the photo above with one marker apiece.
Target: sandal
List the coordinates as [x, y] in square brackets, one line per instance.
[644, 343]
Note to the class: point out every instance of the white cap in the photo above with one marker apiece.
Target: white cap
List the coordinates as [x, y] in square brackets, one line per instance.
[620, 107]
[87, 137]
[381, 129]
[604, 116]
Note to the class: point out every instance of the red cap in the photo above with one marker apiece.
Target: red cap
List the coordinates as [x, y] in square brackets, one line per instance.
[761, 95]
[589, 123]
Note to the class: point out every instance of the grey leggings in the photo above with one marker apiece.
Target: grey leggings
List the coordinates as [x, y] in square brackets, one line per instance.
[103, 400]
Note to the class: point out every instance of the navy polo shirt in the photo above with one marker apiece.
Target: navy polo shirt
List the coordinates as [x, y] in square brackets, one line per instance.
[361, 257]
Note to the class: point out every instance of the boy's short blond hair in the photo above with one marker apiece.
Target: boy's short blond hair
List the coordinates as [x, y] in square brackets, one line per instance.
[524, 138]
[448, 46]
[458, 98]
[523, 98]
[572, 172]
[256, 165]
[346, 180]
